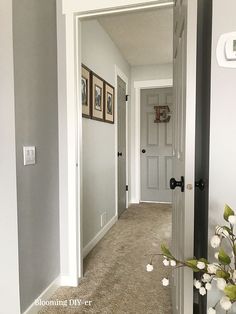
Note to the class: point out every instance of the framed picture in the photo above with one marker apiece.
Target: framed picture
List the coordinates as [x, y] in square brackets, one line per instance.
[109, 104]
[85, 92]
[97, 98]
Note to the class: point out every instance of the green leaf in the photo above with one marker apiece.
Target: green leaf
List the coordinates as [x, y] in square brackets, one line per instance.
[204, 260]
[222, 274]
[224, 258]
[228, 212]
[192, 263]
[230, 292]
[166, 252]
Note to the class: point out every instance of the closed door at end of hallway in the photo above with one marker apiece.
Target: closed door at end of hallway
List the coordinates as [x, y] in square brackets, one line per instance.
[156, 144]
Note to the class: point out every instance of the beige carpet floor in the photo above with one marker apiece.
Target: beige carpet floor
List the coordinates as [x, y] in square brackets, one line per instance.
[115, 277]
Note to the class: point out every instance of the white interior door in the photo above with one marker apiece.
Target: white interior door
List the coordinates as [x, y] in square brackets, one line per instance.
[156, 145]
[185, 43]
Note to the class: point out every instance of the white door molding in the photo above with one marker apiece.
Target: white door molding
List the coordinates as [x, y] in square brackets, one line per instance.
[70, 127]
[136, 175]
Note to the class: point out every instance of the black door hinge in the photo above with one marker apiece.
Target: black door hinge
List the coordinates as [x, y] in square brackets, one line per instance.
[126, 97]
[127, 188]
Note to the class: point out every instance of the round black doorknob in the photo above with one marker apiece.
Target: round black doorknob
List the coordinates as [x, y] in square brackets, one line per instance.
[143, 151]
[119, 154]
[174, 184]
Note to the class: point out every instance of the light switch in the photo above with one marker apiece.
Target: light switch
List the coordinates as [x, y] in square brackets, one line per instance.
[29, 155]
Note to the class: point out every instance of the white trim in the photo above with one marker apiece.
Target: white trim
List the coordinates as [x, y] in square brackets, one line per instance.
[79, 152]
[99, 236]
[73, 148]
[68, 281]
[152, 202]
[119, 73]
[131, 8]
[138, 85]
[45, 295]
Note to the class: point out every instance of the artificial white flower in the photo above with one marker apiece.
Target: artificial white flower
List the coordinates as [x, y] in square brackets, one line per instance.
[211, 311]
[225, 303]
[217, 255]
[173, 263]
[166, 262]
[149, 267]
[206, 277]
[221, 284]
[197, 284]
[208, 286]
[215, 241]
[202, 291]
[212, 268]
[165, 282]
[201, 265]
[234, 276]
[232, 219]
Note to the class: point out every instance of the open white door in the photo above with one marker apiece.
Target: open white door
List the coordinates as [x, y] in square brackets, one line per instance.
[185, 50]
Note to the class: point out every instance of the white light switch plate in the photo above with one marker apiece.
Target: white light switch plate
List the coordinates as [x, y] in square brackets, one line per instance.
[29, 155]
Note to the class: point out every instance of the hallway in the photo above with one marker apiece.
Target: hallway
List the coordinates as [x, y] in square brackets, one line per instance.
[115, 277]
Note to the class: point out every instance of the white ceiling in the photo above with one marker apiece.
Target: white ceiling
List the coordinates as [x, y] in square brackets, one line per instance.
[144, 38]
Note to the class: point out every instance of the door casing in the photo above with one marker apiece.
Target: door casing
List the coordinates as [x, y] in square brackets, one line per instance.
[136, 175]
[69, 57]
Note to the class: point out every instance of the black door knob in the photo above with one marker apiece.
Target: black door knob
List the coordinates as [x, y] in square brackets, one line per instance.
[174, 184]
[119, 154]
[143, 151]
[200, 184]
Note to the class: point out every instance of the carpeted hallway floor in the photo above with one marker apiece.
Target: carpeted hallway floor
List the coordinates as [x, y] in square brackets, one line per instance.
[115, 278]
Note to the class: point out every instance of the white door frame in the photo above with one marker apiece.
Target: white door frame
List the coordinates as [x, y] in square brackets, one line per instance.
[119, 73]
[70, 130]
[138, 86]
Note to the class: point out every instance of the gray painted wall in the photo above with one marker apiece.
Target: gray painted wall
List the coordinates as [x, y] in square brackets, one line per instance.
[35, 57]
[9, 270]
[100, 54]
[223, 127]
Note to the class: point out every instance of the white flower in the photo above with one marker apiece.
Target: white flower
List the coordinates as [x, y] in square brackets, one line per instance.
[201, 265]
[166, 262]
[217, 255]
[221, 231]
[208, 286]
[165, 282]
[225, 303]
[206, 278]
[173, 263]
[215, 241]
[232, 219]
[221, 284]
[197, 284]
[202, 291]
[234, 276]
[212, 268]
[149, 267]
[211, 311]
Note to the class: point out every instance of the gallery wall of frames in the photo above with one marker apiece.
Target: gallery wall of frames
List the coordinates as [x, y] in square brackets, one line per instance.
[97, 97]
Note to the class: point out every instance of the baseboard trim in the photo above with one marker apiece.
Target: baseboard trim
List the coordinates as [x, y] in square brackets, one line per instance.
[67, 281]
[99, 236]
[45, 295]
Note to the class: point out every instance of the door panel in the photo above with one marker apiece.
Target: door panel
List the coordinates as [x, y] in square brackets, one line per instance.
[121, 109]
[185, 39]
[156, 146]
